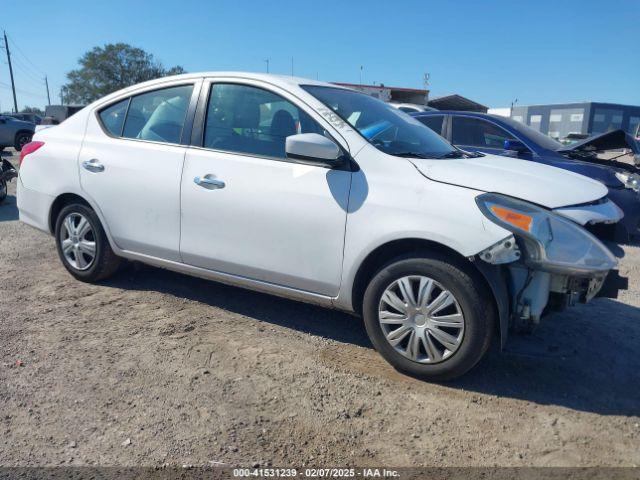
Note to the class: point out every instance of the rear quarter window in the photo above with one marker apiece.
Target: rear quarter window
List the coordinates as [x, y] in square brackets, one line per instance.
[112, 117]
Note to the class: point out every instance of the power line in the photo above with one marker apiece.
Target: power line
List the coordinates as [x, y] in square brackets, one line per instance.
[37, 69]
[31, 76]
[6, 86]
[28, 70]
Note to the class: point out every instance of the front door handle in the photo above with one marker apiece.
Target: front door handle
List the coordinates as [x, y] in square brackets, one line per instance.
[93, 165]
[209, 182]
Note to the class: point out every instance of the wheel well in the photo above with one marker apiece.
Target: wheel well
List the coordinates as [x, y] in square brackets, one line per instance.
[59, 203]
[19, 132]
[387, 252]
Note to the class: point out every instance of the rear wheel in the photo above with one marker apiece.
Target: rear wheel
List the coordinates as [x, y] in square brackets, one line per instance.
[22, 139]
[429, 317]
[83, 246]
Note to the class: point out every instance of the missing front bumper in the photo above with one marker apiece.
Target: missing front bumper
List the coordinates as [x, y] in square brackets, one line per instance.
[612, 285]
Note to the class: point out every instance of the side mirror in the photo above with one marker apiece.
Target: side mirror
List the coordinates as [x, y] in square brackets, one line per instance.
[313, 149]
[515, 146]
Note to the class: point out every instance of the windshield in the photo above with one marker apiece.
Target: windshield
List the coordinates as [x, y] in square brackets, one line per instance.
[533, 134]
[385, 127]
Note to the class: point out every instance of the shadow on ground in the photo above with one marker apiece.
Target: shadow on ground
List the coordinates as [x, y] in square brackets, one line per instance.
[8, 209]
[584, 359]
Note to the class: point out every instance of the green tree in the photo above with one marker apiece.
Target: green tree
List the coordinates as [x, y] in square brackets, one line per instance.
[35, 110]
[104, 70]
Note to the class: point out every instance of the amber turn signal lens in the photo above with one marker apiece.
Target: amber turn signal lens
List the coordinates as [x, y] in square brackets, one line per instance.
[516, 219]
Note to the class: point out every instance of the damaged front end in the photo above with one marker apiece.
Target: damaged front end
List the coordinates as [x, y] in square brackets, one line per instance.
[588, 149]
[548, 262]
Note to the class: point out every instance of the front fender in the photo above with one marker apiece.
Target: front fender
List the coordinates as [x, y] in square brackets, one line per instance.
[495, 277]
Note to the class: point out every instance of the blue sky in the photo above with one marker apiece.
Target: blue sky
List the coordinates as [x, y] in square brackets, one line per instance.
[491, 51]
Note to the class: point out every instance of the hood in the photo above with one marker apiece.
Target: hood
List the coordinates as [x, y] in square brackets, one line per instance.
[536, 183]
[606, 141]
[21, 124]
[604, 171]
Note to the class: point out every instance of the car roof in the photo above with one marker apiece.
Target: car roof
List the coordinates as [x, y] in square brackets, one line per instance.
[282, 80]
[457, 112]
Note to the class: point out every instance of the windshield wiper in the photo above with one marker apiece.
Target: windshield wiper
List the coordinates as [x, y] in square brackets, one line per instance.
[454, 154]
[410, 154]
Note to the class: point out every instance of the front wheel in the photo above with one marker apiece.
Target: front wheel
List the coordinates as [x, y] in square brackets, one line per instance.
[83, 246]
[429, 316]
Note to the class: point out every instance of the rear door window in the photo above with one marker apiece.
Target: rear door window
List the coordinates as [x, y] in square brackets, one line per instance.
[159, 115]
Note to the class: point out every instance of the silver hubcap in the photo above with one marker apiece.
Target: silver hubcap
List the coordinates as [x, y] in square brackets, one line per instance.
[420, 319]
[78, 242]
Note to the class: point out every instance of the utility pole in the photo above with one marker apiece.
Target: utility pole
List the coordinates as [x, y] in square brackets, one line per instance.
[425, 80]
[361, 67]
[292, 66]
[13, 85]
[46, 82]
[61, 98]
[267, 62]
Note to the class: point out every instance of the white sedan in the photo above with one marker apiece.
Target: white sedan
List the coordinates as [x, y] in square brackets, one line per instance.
[322, 194]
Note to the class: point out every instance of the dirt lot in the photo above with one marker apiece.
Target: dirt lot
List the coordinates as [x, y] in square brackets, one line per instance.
[154, 368]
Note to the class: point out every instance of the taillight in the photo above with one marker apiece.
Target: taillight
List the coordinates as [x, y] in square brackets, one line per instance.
[29, 148]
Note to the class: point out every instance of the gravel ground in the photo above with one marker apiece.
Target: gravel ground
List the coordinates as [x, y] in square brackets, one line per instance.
[155, 368]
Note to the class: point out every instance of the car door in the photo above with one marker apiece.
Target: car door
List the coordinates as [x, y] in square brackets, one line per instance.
[434, 122]
[479, 135]
[247, 210]
[130, 166]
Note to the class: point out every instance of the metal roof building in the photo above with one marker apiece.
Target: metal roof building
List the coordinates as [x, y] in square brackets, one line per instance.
[391, 94]
[457, 102]
[585, 118]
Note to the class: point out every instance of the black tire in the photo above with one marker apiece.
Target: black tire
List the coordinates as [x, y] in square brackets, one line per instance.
[22, 138]
[474, 300]
[105, 262]
[3, 190]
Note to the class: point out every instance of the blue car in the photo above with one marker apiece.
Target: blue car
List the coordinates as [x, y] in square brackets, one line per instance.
[481, 132]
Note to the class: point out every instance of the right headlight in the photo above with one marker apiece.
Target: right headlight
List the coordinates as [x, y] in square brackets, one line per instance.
[630, 180]
[550, 242]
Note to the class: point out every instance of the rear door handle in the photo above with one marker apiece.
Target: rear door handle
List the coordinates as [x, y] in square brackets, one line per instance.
[93, 165]
[209, 182]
